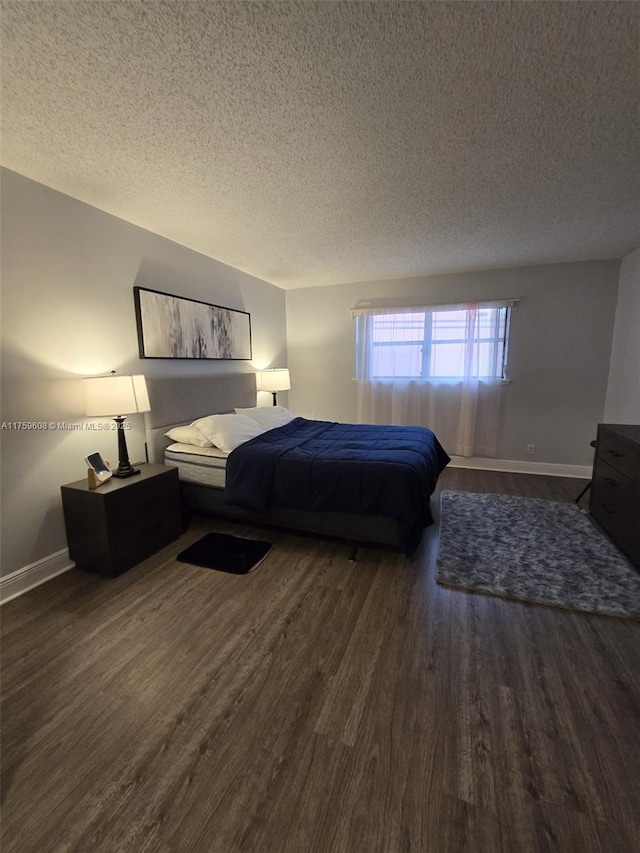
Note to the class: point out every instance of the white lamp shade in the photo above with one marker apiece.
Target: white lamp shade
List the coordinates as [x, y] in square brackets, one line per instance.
[116, 395]
[274, 380]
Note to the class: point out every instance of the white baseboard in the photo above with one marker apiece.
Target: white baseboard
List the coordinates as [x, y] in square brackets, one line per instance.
[515, 466]
[26, 578]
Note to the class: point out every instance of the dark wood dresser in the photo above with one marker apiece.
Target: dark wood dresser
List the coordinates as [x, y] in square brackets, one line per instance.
[615, 488]
[113, 527]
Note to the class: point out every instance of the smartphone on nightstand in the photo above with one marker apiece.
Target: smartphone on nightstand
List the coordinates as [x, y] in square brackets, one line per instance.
[102, 470]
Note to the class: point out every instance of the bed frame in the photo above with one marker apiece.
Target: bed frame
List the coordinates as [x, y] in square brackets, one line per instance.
[180, 400]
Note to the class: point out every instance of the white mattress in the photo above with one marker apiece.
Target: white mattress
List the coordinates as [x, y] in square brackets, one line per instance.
[198, 468]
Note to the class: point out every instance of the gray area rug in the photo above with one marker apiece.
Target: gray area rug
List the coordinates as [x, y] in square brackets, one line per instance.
[527, 548]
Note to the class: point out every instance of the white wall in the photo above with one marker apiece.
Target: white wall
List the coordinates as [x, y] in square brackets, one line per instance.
[558, 353]
[622, 404]
[67, 311]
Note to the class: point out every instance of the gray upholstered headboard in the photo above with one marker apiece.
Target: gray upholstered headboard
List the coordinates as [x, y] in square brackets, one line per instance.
[181, 399]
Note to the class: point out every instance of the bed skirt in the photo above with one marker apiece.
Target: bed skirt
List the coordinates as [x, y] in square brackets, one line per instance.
[361, 529]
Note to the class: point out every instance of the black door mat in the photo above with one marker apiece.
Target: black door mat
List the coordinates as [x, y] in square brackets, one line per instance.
[225, 553]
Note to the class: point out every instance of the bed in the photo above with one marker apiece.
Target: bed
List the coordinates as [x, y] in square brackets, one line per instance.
[218, 486]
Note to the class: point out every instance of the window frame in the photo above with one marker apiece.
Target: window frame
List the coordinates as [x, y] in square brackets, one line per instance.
[499, 340]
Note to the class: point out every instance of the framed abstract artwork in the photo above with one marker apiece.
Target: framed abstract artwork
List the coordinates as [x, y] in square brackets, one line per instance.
[174, 327]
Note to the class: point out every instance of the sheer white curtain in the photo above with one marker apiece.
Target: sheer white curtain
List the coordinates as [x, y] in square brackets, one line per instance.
[463, 411]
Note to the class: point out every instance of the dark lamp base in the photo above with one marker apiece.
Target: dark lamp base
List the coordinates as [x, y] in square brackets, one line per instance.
[125, 468]
[121, 473]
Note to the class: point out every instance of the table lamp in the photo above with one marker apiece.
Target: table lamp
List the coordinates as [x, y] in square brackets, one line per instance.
[274, 380]
[117, 396]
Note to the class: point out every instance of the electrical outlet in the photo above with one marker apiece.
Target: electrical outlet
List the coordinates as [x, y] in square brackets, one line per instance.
[531, 449]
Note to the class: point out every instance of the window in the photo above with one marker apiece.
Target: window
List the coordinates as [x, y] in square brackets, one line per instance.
[437, 366]
[448, 342]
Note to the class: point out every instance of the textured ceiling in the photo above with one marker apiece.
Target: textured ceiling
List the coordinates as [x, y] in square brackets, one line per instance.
[316, 143]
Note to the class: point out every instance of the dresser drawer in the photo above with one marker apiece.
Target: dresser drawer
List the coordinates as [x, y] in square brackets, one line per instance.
[612, 518]
[619, 454]
[134, 541]
[145, 500]
[611, 488]
[622, 531]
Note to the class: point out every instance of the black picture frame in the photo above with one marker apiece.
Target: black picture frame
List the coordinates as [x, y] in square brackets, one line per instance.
[171, 326]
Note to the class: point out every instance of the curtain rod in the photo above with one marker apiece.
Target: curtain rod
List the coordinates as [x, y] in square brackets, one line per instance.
[391, 304]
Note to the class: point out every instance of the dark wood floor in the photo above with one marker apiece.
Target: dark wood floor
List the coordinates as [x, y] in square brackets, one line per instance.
[316, 705]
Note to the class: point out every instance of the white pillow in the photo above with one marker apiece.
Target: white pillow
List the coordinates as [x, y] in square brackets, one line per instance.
[188, 435]
[228, 431]
[269, 417]
[215, 452]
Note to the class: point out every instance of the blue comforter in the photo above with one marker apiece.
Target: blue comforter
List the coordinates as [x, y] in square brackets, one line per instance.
[355, 468]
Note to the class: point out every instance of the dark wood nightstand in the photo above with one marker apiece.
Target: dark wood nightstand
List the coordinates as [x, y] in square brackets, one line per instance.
[113, 527]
